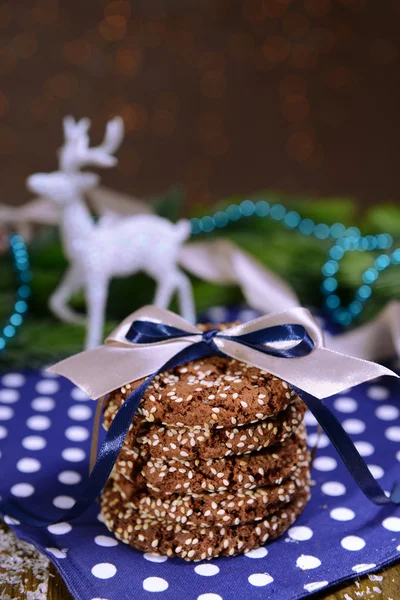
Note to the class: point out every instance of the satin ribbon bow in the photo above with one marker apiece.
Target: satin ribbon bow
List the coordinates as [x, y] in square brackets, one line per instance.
[289, 345]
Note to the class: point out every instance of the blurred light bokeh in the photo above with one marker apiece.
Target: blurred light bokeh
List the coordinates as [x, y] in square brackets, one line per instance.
[221, 96]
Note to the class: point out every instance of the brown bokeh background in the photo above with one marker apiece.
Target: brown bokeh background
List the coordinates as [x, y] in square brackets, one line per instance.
[222, 96]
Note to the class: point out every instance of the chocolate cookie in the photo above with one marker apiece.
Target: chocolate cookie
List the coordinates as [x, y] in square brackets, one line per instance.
[210, 393]
[191, 443]
[267, 467]
[195, 542]
[220, 508]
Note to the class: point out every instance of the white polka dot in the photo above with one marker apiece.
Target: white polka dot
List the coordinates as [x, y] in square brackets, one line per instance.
[306, 562]
[38, 423]
[333, 488]
[300, 533]
[34, 442]
[48, 374]
[315, 585]
[3, 432]
[363, 567]
[104, 570]
[353, 426]
[43, 404]
[69, 477]
[156, 558]
[209, 597]
[79, 395]
[155, 584]
[392, 523]
[77, 434]
[248, 314]
[56, 552]
[378, 392]
[206, 570]
[80, 412]
[47, 386]
[9, 396]
[260, 579]
[100, 517]
[319, 441]
[387, 412]
[13, 380]
[324, 463]
[59, 528]
[257, 553]
[11, 520]
[364, 448]
[106, 541]
[28, 465]
[393, 434]
[99, 598]
[352, 543]
[342, 514]
[22, 490]
[376, 471]
[309, 419]
[73, 454]
[345, 404]
[217, 314]
[64, 502]
[6, 413]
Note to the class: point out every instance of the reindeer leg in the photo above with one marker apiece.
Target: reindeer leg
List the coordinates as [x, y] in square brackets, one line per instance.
[164, 292]
[70, 284]
[185, 297]
[96, 300]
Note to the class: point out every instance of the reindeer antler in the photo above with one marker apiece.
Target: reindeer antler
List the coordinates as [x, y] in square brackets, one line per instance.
[75, 152]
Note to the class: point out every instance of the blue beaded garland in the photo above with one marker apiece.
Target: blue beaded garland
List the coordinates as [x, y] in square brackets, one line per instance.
[20, 259]
[345, 240]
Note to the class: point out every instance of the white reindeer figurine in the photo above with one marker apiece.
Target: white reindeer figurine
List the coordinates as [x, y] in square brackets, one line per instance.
[113, 246]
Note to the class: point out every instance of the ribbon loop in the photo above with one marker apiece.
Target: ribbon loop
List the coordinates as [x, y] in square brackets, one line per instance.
[148, 332]
[277, 334]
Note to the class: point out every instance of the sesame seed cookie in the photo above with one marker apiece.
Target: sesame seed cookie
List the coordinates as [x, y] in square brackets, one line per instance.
[190, 443]
[195, 542]
[211, 393]
[268, 467]
[217, 508]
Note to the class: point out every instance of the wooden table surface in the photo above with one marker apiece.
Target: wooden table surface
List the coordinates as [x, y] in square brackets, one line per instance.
[384, 585]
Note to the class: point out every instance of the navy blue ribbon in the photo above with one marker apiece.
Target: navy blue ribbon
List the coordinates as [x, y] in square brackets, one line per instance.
[144, 332]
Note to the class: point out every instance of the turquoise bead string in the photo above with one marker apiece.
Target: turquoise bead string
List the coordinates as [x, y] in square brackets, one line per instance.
[20, 258]
[345, 239]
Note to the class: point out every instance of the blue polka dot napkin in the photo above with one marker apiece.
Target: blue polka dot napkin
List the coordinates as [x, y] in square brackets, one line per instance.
[45, 426]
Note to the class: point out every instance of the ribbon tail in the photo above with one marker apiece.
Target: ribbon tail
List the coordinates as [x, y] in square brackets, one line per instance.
[349, 454]
[109, 450]
[222, 261]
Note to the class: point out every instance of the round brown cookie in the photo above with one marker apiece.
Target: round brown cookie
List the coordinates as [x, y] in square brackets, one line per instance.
[195, 542]
[189, 444]
[218, 509]
[267, 467]
[209, 393]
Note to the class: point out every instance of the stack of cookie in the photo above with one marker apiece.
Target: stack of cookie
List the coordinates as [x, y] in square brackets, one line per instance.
[215, 462]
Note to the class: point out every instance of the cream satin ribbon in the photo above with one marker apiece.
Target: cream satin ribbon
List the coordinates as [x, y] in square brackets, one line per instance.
[322, 373]
[221, 261]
